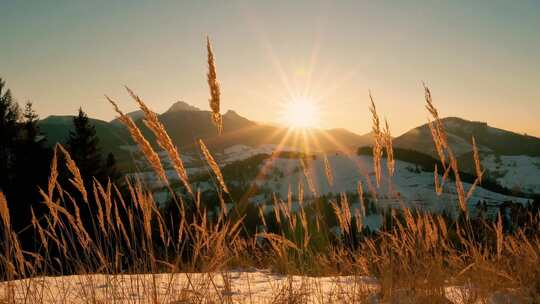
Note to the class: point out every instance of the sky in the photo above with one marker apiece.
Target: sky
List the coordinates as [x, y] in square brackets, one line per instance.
[481, 59]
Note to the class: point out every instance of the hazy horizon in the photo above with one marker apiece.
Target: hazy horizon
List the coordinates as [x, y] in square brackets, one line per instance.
[479, 59]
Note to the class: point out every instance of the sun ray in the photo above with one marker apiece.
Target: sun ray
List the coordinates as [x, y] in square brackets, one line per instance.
[261, 175]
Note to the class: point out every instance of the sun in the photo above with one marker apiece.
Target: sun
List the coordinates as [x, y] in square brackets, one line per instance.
[300, 113]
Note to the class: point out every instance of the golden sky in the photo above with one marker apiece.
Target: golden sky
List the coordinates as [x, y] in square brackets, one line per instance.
[480, 58]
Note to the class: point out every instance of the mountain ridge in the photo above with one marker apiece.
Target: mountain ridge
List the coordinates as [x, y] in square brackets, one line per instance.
[186, 123]
[460, 132]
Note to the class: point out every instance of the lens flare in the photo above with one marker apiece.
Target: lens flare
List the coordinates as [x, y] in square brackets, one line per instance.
[300, 113]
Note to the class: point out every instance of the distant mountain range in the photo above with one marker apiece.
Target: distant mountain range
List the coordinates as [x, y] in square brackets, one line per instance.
[185, 124]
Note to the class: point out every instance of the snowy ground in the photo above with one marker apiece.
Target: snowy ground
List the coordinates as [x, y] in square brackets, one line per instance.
[240, 287]
[235, 287]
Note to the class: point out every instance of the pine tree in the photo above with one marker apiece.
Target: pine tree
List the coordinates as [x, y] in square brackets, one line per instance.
[30, 167]
[83, 145]
[30, 120]
[9, 116]
[24, 161]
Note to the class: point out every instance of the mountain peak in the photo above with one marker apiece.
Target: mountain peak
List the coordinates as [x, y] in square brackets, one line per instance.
[457, 122]
[231, 114]
[182, 106]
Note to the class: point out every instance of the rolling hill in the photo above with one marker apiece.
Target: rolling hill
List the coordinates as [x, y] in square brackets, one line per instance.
[509, 158]
[460, 131]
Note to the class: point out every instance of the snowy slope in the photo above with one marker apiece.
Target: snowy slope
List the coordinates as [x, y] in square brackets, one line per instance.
[515, 172]
[240, 152]
[406, 186]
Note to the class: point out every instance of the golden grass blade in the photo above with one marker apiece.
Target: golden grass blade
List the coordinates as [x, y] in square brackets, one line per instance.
[477, 165]
[360, 191]
[163, 139]
[346, 211]
[390, 162]
[151, 155]
[262, 216]
[100, 214]
[222, 204]
[378, 141]
[77, 180]
[300, 195]
[278, 239]
[53, 176]
[438, 185]
[213, 165]
[459, 185]
[289, 197]
[328, 170]
[443, 148]
[4, 212]
[40, 230]
[309, 178]
[438, 144]
[435, 114]
[358, 219]
[478, 169]
[213, 85]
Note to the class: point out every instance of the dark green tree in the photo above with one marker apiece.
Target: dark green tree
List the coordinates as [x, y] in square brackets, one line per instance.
[24, 162]
[83, 145]
[30, 121]
[9, 116]
[30, 168]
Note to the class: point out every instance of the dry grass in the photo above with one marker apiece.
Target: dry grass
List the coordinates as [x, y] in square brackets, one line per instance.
[304, 163]
[213, 85]
[144, 145]
[328, 171]
[445, 151]
[378, 141]
[213, 165]
[162, 138]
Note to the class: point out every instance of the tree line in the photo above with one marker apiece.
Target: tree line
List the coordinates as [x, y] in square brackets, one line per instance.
[25, 158]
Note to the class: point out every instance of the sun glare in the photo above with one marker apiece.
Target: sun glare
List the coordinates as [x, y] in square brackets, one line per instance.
[300, 112]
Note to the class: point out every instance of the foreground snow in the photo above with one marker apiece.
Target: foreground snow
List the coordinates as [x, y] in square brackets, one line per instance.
[235, 287]
[240, 287]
